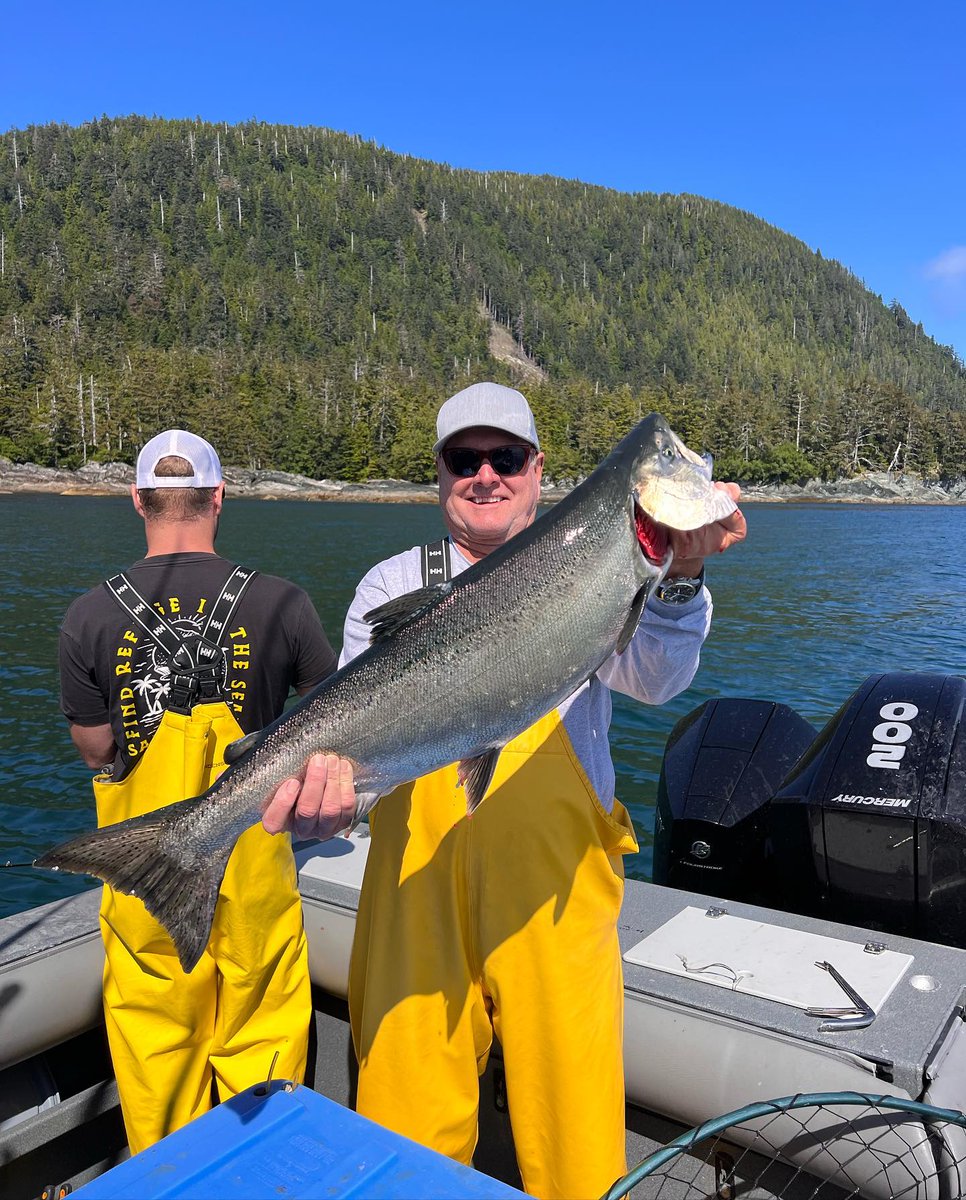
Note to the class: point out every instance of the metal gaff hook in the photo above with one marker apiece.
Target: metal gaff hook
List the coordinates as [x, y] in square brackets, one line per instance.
[857, 1017]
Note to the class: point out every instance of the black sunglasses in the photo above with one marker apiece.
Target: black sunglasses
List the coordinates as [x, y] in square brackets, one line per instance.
[464, 463]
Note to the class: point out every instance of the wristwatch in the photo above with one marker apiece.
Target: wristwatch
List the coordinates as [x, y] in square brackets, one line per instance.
[679, 590]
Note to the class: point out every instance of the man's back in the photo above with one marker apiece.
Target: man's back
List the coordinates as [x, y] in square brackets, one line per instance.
[111, 670]
[177, 1038]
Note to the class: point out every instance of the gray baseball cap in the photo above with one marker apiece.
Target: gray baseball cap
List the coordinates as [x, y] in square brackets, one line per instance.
[206, 469]
[488, 404]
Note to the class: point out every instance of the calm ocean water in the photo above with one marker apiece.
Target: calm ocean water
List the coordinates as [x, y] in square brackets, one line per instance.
[817, 598]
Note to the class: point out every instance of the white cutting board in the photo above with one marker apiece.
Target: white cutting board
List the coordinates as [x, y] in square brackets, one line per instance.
[768, 960]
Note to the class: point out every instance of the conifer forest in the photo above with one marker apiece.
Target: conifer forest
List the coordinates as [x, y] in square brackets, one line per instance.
[306, 299]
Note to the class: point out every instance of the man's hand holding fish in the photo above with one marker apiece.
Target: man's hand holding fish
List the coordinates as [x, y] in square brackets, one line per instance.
[318, 805]
[692, 547]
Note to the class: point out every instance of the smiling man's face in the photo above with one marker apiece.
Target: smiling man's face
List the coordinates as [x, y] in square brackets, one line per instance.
[487, 509]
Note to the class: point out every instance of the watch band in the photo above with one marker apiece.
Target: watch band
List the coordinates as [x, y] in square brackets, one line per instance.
[679, 590]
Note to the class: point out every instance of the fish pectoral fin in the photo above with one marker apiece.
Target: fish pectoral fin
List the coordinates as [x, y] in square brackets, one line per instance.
[475, 774]
[389, 617]
[234, 750]
[633, 618]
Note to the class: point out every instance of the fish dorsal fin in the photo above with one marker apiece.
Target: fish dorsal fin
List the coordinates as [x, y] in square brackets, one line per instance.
[234, 750]
[389, 617]
[633, 618]
[475, 774]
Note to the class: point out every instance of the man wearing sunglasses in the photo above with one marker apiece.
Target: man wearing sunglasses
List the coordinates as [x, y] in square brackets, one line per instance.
[505, 923]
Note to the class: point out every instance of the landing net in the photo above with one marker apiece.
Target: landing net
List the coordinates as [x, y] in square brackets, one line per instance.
[816, 1146]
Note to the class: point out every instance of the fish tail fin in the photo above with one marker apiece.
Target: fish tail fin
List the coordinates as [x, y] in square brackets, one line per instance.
[134, 858]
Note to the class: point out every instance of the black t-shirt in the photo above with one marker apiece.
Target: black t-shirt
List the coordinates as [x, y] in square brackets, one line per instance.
[111, 671]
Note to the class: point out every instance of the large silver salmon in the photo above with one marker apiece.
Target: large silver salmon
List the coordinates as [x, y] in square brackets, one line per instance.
[453, 673]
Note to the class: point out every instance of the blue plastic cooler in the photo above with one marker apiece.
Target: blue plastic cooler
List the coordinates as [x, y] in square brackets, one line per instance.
[288, 1143]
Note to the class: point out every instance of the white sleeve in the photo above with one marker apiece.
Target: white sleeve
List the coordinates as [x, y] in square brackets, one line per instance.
[371, 592]
[663, 655]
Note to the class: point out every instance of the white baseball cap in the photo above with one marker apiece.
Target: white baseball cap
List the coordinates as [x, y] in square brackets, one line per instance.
[206, 469]
[490, 405]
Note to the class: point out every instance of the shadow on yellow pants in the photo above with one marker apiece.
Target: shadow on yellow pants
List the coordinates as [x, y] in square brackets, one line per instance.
[505, 923]
[176, 1038]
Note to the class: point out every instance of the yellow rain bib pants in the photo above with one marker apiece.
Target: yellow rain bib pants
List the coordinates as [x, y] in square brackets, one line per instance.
[502, 923]
[176, 1037]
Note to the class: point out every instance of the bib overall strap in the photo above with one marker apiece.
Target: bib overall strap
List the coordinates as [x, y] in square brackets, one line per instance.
[435, 563]
[224, 607]
[196, 659]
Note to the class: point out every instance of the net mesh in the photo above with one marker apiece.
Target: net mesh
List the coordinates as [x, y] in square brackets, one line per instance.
[823, 1146]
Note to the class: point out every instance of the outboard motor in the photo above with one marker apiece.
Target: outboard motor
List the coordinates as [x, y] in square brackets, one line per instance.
[722, 764]
[870, 827]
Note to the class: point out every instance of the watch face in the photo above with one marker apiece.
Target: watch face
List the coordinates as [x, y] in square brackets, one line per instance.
[678, 591]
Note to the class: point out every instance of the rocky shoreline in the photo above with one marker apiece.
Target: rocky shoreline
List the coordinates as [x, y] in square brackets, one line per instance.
[115, 479]
[107, 479]
[877, 487]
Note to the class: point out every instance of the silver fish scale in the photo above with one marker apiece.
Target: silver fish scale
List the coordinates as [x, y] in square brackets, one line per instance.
[513, 637]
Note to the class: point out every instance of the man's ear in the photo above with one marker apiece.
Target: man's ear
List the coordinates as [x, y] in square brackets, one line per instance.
[136, 500]
[218, 499]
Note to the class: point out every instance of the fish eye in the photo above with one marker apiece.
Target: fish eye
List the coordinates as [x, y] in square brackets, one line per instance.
[668, 452]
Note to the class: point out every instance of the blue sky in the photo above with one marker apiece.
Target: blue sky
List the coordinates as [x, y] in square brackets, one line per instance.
[842, 123]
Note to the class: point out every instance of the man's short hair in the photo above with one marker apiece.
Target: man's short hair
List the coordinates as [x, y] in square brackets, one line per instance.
[174, 503]
[176, 476]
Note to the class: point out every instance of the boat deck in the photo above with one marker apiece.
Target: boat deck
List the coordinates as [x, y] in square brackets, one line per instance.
[693, 1050]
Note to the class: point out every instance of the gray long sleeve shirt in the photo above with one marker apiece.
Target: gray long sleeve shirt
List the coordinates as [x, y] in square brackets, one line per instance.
[660, 661]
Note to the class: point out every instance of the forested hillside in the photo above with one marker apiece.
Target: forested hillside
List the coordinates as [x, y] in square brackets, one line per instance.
[306, 300]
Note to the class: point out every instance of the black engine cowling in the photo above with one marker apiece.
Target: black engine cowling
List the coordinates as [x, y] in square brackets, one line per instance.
[870, 827]
[864, 824]
[722, 764]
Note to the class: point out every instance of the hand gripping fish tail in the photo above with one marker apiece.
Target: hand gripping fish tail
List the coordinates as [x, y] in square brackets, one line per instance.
[533, 620]
[142, 857]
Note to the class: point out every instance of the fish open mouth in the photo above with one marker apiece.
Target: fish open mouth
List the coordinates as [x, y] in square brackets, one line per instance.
[652, 537]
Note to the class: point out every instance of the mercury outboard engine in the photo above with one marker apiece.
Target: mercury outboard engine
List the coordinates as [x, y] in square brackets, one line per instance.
[722, 764]
[870, 827]
[864, 824]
